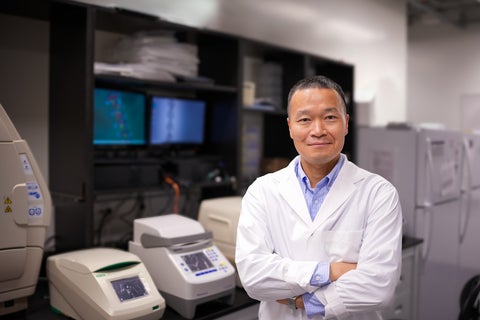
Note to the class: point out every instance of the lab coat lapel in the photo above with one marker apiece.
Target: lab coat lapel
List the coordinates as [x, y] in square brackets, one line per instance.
[342, 188]
[291, 191]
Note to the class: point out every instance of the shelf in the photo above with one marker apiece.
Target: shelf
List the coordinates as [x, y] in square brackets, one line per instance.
[125, 21]
[266, 110]
[130, 82]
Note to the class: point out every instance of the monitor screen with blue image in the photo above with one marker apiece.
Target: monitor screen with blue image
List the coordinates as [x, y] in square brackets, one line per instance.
[119, 117]
[176, 121]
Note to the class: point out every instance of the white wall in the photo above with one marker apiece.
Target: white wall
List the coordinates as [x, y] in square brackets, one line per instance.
[444, 64]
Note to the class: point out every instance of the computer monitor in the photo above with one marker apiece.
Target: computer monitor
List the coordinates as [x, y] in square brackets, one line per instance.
[176, 121]
[119, 117]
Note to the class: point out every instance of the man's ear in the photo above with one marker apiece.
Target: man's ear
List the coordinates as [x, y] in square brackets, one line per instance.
[347, 119]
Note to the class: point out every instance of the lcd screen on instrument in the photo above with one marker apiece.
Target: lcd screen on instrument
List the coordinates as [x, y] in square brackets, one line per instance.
[129, 288]
[197, 261]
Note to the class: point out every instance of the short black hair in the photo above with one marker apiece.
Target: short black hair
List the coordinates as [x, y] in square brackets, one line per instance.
[318, 82]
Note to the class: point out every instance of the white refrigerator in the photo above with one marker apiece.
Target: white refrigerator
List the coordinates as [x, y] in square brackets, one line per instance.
[469, 234]
[425, 165]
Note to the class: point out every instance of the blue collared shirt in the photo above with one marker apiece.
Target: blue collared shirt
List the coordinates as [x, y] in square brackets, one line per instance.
[314, 198]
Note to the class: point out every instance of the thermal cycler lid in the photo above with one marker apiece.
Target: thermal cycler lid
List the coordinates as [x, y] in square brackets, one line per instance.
[220, 215]
[88, 261]
[171, 228]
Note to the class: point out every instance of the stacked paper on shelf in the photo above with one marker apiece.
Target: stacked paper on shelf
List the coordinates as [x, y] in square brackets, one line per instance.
[134, 70]
[156, 56]
[113, 68]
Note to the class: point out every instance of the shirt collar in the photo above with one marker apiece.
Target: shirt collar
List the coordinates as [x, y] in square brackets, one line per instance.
[327, 181]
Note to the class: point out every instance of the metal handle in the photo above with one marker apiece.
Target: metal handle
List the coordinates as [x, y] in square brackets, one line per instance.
[428, 200]
[466, 204]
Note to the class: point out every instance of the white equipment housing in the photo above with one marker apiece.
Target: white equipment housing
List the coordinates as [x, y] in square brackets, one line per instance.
[186, 267]
[102, 283]
[220, 216]
[24, 217]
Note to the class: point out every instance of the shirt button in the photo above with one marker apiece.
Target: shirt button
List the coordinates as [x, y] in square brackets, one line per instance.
[317, 278]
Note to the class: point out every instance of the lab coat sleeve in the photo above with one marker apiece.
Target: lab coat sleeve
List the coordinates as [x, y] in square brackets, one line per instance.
[372, 284]
[265, 275]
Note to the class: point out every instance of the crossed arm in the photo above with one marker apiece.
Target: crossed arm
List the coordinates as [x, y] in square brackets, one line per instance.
[337, 269]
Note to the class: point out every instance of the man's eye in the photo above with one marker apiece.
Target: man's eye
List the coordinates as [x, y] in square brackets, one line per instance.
[303, 120]
[331, 117]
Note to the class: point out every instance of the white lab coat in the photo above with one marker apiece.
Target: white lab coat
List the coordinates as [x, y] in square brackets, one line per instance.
[278, 245]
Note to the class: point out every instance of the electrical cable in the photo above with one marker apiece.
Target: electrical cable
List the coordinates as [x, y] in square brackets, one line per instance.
[176, 189]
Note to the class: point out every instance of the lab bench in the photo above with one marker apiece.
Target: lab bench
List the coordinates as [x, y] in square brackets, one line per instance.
[39, 307]
[403, 306]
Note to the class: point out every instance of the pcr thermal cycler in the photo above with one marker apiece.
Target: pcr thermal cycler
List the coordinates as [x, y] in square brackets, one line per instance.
[24, 217]
[186, 267]
[102, 283]
[220, 216]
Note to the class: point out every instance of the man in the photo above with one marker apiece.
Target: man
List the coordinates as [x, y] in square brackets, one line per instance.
[321, 238]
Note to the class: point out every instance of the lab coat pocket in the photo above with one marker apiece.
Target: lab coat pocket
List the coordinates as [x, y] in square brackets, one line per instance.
[343, 245]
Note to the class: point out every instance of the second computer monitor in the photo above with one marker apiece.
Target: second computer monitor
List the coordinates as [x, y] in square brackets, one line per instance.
[177, 121]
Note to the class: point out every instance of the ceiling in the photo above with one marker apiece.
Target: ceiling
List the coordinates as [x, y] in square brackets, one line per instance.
[459, 13]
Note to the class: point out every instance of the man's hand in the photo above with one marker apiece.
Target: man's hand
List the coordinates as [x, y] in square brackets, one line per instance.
[337, 269]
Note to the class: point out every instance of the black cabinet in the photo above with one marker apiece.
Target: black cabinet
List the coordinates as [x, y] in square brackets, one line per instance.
[79, 168]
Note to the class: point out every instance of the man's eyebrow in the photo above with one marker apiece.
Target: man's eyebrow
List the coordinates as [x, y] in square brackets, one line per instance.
[302, 111]
[327, 110]
[332, 109]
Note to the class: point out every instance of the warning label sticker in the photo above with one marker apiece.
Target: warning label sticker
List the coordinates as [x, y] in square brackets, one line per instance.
[7, 203]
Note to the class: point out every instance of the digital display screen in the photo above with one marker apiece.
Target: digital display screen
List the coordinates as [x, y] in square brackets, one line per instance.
[197, 261]
[119, 117]
[177, 121]
[129, 288]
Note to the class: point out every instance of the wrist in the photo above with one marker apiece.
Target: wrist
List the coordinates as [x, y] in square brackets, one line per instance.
[292, 302]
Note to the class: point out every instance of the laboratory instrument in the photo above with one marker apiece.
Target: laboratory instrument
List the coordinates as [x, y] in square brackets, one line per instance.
[187, 268]
[24, 217]
[102, 283]
[220, 216]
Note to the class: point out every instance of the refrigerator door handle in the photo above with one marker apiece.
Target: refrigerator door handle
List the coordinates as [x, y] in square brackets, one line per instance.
[427, 230]
[429, 170]
[427, 233]
[465, 209]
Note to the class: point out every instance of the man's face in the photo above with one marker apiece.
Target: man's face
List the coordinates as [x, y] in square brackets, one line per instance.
[318, 125]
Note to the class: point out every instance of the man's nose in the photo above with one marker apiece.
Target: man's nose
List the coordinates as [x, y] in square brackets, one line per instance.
[318, 127]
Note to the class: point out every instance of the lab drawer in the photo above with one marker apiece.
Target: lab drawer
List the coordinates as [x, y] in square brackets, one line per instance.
[400, 308]
[406, 276]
